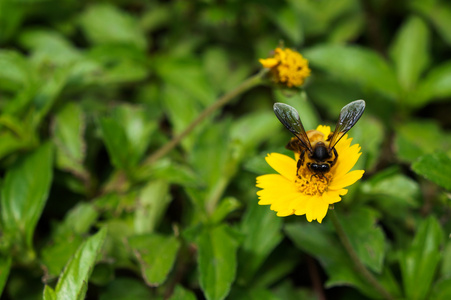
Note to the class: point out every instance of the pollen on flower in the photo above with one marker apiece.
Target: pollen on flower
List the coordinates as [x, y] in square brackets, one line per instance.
[311, 184]
[288, 67]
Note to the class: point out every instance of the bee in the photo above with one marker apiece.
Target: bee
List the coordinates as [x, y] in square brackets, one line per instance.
[319, 150]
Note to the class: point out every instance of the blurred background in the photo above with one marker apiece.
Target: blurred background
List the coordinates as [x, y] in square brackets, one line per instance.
[90, 89]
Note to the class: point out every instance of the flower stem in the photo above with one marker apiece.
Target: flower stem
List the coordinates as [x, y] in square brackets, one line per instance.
[246, 85]
[359, 266]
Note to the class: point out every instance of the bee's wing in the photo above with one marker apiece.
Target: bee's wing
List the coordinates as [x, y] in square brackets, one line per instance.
[349, 115]
[289, 117]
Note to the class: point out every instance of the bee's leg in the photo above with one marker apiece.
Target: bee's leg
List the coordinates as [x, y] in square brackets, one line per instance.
[300, 161]
[314, 175]
[325, 178]
[332, 163]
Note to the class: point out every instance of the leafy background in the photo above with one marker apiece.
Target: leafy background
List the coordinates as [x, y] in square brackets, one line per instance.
[90, 89]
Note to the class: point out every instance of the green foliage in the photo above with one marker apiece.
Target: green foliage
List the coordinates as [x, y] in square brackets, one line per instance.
[217, 261]
[72, 282]
[90, 90]
[435, 167]
[24, 194]
[156, 255]
[420, 260]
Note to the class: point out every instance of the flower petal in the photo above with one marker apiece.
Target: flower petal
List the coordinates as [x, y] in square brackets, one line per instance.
[332, 197]
[269, 62]
[320, 211]
[284, 165]
[342, 192]
[346, 180]
[311, 201]
[284, 213]
[346, 160]
[324, 129]
[284, 202]
[275, 181]
[316, 209]
[300, 204]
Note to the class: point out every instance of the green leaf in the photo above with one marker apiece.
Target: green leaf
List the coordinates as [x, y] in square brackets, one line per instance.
[319, 18]
[262, 233]
[168, 170]
[11, 18]
[385, 186]
[371, 143]
[116, 142]
[332, 93]
[181, 110]
[216, 66]
[410, 51]
[420, 261]
[445, 267]
[153, 199]
[112, 65]
[318, 242]
[280, 264]
[24, 194]
[287, 291]
[126, 134]
[347, 29]
[55, 255]
[103, 273]
[160, 15]
[252, 294]
[68, 135]
[67, 237]
[106, 24]
[441, 290]
[119, 230]
[182, 294]
[253, 129]
[16, 137]
[214, 151]
[436, 167]
[366, 237]
[416, 138]
[217, 261]
[354, 64]
[224, 74]
[73, 282]
[49, 46]
[15, 71]
[49, 293]
[5, 266]
[225, 207]
[438, 14]
[68, 130]
[48, 92]
[156, 255]
[138, 128]
[436, 85]
[126, 289]
[186, 75]
[289, 22]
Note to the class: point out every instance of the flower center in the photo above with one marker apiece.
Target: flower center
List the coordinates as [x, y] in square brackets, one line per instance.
[312, 184]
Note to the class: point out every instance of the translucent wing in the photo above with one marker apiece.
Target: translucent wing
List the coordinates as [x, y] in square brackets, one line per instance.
[289, 117]
[349, 115]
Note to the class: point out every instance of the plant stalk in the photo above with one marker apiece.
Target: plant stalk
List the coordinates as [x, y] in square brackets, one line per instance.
[246, 85]
[359, 266]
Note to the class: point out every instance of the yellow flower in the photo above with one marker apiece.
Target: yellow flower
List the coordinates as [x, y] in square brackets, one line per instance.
[288, 67]
[289, 193]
